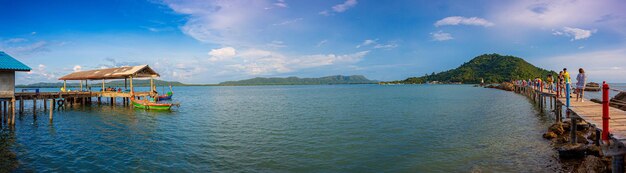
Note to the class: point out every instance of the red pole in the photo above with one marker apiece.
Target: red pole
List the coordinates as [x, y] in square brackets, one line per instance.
[605, 111]
[558, 90]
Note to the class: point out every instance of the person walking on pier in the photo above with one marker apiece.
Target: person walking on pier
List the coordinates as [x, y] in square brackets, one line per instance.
[581, 79]
[550, 83]
[567, 80]
[560, 82]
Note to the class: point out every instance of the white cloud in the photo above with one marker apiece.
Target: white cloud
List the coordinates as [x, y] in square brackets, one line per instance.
[262, 62]
[40, 46]
[339, 8]
[441, 36]
[528, 16]
[286, 22]
[15, 40]
[232, 22]
[281, 4]
[609, 65]
[324, 13]
[321, 43]
[366, 43]
[276, 44]
[344, 6]
[575, 33]
[77, 68]
[386, 46]
[222, 54]
[459, 20]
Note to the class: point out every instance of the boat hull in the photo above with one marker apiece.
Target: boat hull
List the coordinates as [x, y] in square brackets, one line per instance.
[150, 106]
[165, 97]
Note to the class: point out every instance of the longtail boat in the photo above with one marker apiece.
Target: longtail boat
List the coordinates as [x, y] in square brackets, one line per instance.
[145, 104]
[166, 96]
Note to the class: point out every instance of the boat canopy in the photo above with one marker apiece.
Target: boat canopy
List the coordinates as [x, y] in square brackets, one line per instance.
[142, 71]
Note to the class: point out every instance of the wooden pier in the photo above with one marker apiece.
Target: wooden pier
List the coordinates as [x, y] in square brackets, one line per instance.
[608, 122]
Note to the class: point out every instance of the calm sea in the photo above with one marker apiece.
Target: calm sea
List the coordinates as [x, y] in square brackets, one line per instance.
[323, 128]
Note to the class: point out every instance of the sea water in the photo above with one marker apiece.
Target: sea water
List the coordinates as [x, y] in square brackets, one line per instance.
[317, 128]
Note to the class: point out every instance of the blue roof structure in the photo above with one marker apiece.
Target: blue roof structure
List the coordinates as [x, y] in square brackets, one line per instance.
[11, 64]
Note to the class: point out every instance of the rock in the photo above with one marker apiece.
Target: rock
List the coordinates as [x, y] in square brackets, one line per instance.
[566, 126]
[592, 164]
[594, 150]
[582, 126]
[556, 128]
[572, 151]
[592, 136]
[580, 138]
[549, 135]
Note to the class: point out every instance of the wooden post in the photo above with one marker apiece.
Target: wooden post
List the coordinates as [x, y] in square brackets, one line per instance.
[2, 114]
[13, 111]
[34, 106]
[87, 85]
[573, 130]
[45, 105]
[21, 105]
[65, 85]
[102, 85]
[81, 85]
[51, 103]
[132, 89]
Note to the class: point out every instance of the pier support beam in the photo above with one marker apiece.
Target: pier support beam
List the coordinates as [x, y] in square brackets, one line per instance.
[618, 163]
[573, 130]
[51, 103]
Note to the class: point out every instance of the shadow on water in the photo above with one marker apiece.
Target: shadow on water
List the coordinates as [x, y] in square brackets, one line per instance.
[8, 159]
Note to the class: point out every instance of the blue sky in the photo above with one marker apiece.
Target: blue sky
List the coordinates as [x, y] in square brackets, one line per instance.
[200, 41]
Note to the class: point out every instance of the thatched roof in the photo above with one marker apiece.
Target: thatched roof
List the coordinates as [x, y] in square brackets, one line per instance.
[141, 71]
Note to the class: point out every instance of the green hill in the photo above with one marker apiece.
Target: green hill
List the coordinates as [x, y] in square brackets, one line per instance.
[338, 79]
[493, 68]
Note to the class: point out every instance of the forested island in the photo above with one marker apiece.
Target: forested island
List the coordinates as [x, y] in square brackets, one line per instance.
[492, 68]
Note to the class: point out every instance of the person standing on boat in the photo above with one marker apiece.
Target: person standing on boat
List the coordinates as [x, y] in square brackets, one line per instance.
[580, 84]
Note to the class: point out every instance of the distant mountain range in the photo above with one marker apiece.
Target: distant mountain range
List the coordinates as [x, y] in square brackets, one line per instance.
[492, 68]
[118, 83]
[337, 79]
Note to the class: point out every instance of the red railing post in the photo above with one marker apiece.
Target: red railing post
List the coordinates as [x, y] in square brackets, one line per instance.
[558, 90]
[605, 111]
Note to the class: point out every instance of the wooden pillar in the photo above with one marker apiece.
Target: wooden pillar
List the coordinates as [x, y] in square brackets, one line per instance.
[65, 85]
[2, 114]
[34, 106]
[21, 105]
[81, 85]
[51, 103]
[103, 85]
[45, 105]
[13, 111]
[132, 89]
[125, 86]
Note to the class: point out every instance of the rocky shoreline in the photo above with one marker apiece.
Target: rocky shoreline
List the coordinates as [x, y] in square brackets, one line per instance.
[584, 155]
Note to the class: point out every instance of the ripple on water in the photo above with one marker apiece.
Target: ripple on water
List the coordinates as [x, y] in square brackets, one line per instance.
[337, 128]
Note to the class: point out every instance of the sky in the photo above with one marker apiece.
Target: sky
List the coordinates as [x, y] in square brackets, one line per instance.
[204, 41]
